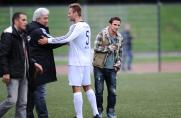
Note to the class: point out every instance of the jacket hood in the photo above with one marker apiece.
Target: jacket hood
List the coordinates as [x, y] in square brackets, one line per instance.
[13, 30]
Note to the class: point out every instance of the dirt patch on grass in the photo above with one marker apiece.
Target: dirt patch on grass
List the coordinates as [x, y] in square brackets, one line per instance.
[153, 67]
[139, 68]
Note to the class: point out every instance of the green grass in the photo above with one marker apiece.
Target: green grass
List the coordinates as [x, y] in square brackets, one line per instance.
[150, 96]
[138, 96]
[143, 19]
[61, 62]
[154, 59]
[170, 27]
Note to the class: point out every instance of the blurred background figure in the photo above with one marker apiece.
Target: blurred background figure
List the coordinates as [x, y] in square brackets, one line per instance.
[127, 48]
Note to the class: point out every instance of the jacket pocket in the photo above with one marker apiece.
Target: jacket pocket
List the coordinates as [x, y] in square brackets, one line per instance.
[99, 59]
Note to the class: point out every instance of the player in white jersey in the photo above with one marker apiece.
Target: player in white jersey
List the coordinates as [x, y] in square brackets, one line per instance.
[79, 59]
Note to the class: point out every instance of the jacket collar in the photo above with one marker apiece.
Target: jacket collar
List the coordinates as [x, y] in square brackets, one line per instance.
[38, 25]
[106, 33]
[12, 30]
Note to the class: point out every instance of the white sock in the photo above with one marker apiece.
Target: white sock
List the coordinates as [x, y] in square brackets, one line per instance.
[78, 103]
[92, 100]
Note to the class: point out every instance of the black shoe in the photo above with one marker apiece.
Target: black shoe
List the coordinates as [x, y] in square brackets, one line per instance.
[97, 116]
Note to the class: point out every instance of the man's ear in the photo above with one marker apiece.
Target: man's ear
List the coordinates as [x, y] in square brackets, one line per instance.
[75, 13]
[109, 24]
[16, 21]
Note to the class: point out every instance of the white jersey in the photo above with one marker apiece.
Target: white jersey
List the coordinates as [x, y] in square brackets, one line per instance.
[79, 36]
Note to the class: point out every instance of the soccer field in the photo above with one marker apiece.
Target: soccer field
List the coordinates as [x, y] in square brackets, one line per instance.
[154, 95]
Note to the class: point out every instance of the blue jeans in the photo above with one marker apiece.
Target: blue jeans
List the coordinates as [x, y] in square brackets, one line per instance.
[127, 59]
[36, 99]
[17, 95]
[109, 75]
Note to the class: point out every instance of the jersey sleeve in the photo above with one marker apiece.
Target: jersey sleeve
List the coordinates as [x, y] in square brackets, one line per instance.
[45, 33]
[71, 35]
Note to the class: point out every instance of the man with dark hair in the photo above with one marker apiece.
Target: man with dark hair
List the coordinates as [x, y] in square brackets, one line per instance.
[79, 59]
[106, 62]
[15, 64]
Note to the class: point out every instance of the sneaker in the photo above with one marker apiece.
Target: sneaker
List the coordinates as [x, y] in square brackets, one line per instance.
[100, 115]
[97, 116]
[111, 113]
[100, 112]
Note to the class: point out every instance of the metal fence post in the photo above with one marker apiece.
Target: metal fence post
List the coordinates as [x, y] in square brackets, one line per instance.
[10, 15]
[158, 35]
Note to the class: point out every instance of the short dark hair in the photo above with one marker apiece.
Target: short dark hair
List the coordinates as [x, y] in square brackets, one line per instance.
[17, 16]
[76, 8]
[114, 18]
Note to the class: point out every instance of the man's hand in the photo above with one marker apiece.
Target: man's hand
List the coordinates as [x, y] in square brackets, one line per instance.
[6, 78]
[113, 47]
[43, 40]
[116, 68]
[38, 68]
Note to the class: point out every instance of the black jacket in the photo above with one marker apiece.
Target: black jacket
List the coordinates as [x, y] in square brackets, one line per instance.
[12, 57]
[43, 54]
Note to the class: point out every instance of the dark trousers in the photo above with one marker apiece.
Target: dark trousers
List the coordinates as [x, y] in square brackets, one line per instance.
[127, 60]
[109, 76]
[36, 98]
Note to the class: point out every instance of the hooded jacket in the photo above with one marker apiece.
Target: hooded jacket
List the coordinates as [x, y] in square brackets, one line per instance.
[12, 56]
[43, 54]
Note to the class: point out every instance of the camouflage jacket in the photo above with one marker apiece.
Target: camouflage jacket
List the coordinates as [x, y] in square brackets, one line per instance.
[103, 44]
